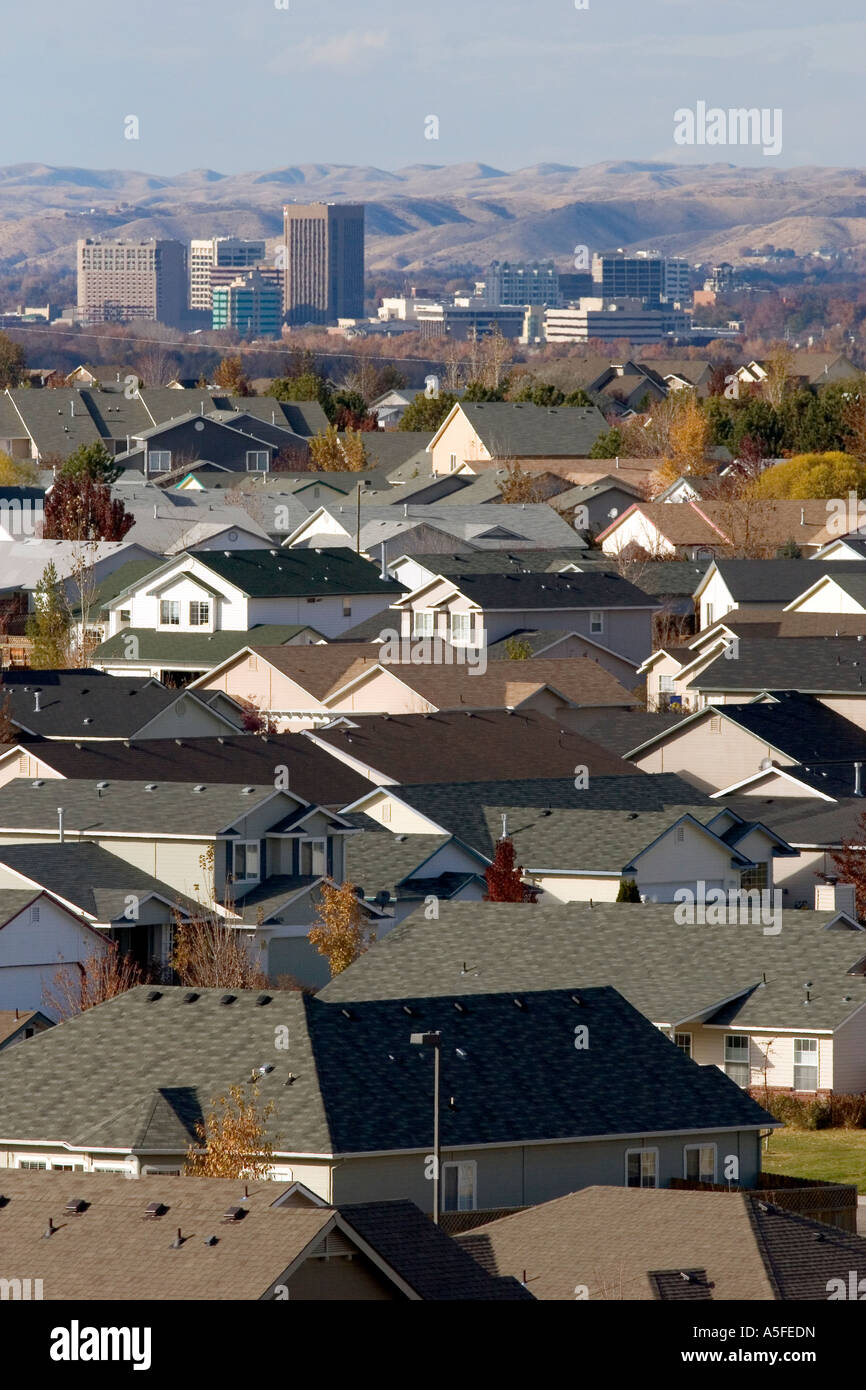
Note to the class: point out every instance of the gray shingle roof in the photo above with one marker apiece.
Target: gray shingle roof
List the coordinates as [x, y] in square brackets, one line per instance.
[334, 570]
[82, 703]
[812, 665]
[775, 581]
[88, 876]
[534, 431]
[171, 808]
[552, 592]
[671, 973]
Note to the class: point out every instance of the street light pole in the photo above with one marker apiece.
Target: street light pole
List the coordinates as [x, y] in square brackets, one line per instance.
[433, 1040]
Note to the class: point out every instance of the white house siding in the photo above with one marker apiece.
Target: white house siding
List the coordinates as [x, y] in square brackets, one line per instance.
[637, 529]
[849, 1054]
[577, 888]
[185, 718]
[674, 863]
[771, 1055]
[797, 877]
[398, 817]
[31, 953]
[24, 765]
[828, 598]
[716, 600]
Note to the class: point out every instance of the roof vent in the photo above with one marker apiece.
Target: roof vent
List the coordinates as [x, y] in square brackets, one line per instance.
[211, 1240]
[520, 1003]
[75, 1206]
[150, 786]
[262, 999]
[248, 791]
[154, 1210]
[234, 1214]
[178, 1240]
[152, 995]
[102, 786]
[228, 998]
[461, 1008]
[347, 1013]
[38, 783]
[200, 787]
[190, 997]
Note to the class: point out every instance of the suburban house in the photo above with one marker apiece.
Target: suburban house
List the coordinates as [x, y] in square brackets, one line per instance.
[805, 369]
[387, 532]
[744, 584]
[86, 704]
[252, 855]
[475, 433]
[178, 657]
[16, 1025]
[39, 934]
[477, 610]
[352, 1096]
[783, 1009]
[241, 444]
[276, 1241]
[706, 529]
[577, 839]
[828, 667]
[214, 592]
[667, 1246]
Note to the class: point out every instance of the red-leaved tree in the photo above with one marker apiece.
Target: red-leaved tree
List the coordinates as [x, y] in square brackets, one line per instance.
[81, 509]
[504, 880]
[850, 862]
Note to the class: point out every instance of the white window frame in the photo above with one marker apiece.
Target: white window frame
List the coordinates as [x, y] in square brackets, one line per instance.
[650, 1150]
[732, 1062]
[472, 1165]
[676, 1041]
[812, 1051]
[257, 466]
[199, 604]
[247, 845]
[452, 462]
[464, 621]
[313, 841]
[154, 1170]
[666, 685]
[174, 603]
[159, 460]
[423, 622]
[596, 621]
[709, 615]
[699, 1148]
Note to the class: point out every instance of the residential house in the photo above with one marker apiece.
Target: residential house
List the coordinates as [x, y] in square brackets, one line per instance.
[475, 433]
[805, 369]
[86, 704]
[747, 584]
[39, 934]
[16, 1025]
[352, 1096]
[730, 995]
[388, 532]
[707, 529]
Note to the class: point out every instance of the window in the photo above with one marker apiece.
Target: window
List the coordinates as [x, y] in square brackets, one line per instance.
[257, 460]
[458, 1186]
[422, 622]
[452, 462]
[34, 914]
[699, 1162]
[805, 1064]
[66, 1166]
[458, 624]
[347, 608]
[33, 1163]
[246, 860]
[681, 834]
[737, 1058]
[158, 460]
[169, 612]
[756, 877]
[126, 616]
[641, 1167]
[684, 1042]
[199, 614]
[666, 685]
[313, 857]
[596, 621]
[152, 1171]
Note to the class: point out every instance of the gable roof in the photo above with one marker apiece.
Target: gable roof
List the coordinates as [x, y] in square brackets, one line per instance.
[82, 702]
[521, 429]
[768, 581]
[578, 680]
[547, 592]
[284, 573]
[138, 808]
[205, 649]
[792, 723]
[811, 665]
[89, 878]
[358, 1080]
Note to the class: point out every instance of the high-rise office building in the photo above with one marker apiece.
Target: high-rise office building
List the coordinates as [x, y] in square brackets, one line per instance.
[236, 253]
[323, 262]
[123, 280]
[506, 284]
[645, 275]
[252, 304]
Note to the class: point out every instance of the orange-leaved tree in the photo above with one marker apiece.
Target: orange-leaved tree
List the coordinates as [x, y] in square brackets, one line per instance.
[341, 932]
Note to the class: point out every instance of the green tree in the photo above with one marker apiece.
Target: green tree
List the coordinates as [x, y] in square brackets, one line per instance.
[427, 412]
[518, 649]
[477, 391]
[760, 421]
[628, 891]
[91, 461]
[48, 627]
[607, 446]
[13, 362]
[308, 386]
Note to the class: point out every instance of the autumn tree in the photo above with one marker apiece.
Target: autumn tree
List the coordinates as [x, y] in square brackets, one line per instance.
[850, 863]
[13, 362]
[48, 627]
[518, 649]
[81, 509]
[233, 1139]
[341, 932]
[207, 954]
[518, 485]
[9, 731]
[334, 453]
[307, 386]
[81, 985]
[809, 476]
[231, 377]
[17, 472]
[504, 880]
[778, 365]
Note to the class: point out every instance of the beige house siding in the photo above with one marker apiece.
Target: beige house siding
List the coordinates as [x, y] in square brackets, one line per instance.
[458, 438]
[849, 1054]
[577, 888]
[827, 598]
[24, 765]
[712, 751]
[773, 1051]
[851, 707]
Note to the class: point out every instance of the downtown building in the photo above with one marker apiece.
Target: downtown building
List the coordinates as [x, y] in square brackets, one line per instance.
[608, 320]
[323, 262]
[251, 304]
[227, 253]
[527, 285]
[119, 281]
[644, 275]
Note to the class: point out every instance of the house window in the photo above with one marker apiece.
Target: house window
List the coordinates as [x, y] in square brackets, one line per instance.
[347, 608]
[458, 1186]
[666, 685]
[422, 622]
[257, 460]
[681, 834]
[199, 614]
[756, 877]
[158, 460]
[246, 860]
[641, 1167]
[125, 616]
[313, 857]
[684, 1042]
[805, 1064]
[169, 612]
[699, 1162]
[459, 627]
[33, 1163]
[452, 462]
[596, 621]
[737, 1058]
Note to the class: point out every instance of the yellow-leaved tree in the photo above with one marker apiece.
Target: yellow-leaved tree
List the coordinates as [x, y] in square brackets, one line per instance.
[233, 1142]
[806, 476]
[340, 933]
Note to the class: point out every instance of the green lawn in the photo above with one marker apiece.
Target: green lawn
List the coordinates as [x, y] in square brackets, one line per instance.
[836, 1155]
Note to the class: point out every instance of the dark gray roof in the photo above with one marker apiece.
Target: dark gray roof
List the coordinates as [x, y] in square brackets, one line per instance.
[82, 703]
[303, 417]
[205, 649]
[534, 431]
[501, 561]
[814, 665]
[672, 973]
[798, 725]
[775, 581]
[171, 808]
[13, 901]
[803, 821]
[378, 859]
[263, 903]
[802, 1256]
[121, 578]
[313, 774]
[552, 591]
[89, 877]
[139, 1071]
[622, 730]
[333, 570]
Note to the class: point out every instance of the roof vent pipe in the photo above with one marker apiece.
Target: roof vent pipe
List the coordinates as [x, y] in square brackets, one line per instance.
[60, 824]
[857, 767]
[36, 698]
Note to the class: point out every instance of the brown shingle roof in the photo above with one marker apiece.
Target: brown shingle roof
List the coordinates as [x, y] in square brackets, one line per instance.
[506, 684]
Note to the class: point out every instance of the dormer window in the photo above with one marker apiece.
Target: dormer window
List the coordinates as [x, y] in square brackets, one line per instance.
[246, 861]
[199, 613]
[169, 612]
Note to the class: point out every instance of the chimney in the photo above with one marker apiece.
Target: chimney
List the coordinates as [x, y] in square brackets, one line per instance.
[60, 825]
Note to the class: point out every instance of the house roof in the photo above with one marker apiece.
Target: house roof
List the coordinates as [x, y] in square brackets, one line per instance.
[482, 525]
[320, 668]
[550, 592]
[124, 577]
[614, 1240]
[679, 974]
[313, 774]
[680, 523]
[78, 703]
[285, 573]
[405, 747]
[813, 665]
[770, 581]
[139, 1071]
[379, 859]
[521, 429]
[792, 723]
[622, 730]
[507, 684]
[14, 1021]
[89, 877]
[90, 1257]
[170, 808]
[205, 649]
[500, 561]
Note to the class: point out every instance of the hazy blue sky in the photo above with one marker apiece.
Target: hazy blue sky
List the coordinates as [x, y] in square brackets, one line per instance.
[241, 84]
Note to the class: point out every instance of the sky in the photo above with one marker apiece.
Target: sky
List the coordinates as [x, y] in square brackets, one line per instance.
[236, 85]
